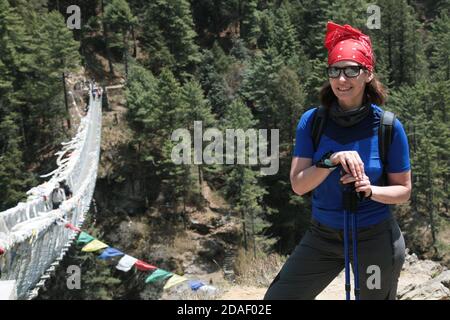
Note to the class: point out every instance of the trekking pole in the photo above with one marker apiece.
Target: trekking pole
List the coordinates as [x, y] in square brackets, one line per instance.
[355, 254]
[346, 257]
[350, 204]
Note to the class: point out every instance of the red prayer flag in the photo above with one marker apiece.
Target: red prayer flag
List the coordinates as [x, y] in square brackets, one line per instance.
[71, 226]
[143, 266]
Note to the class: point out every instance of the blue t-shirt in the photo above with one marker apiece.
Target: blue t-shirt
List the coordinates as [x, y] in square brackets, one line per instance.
[363, 137]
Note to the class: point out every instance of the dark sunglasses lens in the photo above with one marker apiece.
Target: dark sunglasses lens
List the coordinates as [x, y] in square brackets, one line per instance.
[351, 72]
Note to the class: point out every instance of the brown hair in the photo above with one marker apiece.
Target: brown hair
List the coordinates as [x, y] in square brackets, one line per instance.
[375, 92]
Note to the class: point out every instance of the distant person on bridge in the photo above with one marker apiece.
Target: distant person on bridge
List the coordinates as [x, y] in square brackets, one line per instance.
[100, 92]
[372, 173]
[66, 188]
[58, 196]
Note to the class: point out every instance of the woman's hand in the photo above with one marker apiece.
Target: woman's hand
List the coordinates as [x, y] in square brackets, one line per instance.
[350, 161]
[360, 185]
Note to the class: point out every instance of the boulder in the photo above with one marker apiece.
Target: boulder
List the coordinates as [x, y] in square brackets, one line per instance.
[423, 280]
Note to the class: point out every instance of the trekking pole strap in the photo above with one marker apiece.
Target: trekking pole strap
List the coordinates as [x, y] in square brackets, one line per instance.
[350, 200]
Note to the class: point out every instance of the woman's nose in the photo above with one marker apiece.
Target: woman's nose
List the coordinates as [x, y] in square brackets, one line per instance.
[342, 77]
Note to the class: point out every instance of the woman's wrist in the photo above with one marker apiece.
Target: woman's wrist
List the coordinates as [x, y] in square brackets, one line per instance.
[370, 194]
[325, 161]
[373, 192]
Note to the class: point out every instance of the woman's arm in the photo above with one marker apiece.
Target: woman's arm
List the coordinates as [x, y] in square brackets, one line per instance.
[305, 177]
[398, 191]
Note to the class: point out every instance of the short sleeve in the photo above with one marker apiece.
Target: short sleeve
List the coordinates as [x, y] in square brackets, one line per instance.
[398, 156]
[303, 142]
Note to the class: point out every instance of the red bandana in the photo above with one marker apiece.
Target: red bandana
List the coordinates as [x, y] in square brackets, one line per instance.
[348, 43]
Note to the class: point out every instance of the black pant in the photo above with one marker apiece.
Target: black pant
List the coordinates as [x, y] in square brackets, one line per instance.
[319, 258]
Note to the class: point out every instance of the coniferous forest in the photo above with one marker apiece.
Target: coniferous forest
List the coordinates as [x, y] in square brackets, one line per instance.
[230, 64]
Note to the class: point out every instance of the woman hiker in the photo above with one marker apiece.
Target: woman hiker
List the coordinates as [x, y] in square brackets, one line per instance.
[352, 97]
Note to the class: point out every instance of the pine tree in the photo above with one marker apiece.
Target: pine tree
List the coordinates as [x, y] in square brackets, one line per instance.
[249, 22]
[399, 43]
[353, 13]
[168, 35]
[157, 108]
[242, 187]
[214, 64]
[106, 38]
[421, 109]
[144, 117]
[169, 91]
[284, 34]
[439, 45]
[14, 62]
[267, 25]
[274, 90]
[310, 18]
[14, 179]
[142, 101]
[14, 54]
[53, 52]
[258, 83]
[430, 9]
[193, 107]
[63, 49]
[213, 17]
[119, 18]
[289, 98]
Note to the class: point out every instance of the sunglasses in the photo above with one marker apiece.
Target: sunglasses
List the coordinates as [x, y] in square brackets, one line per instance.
[349, 71]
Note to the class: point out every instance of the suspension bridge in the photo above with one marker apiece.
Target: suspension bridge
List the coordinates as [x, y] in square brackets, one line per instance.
[33, 236]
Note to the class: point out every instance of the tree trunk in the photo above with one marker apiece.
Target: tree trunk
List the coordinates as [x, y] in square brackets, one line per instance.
[390, 49]
[134, 42]
[200, 177]
[184, 209]
[25, 140]
[244, 230]
[253, 234]
[65, 101]
[125, 53]
[430, 206]
[106, 40]
[240, 17]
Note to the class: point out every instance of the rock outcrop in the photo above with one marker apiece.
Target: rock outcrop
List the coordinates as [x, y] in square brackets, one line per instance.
[423, 280]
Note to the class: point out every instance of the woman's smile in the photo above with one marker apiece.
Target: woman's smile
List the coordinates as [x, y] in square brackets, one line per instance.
[344, 89]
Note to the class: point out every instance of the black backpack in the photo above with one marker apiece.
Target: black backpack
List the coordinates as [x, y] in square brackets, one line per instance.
[385, 135]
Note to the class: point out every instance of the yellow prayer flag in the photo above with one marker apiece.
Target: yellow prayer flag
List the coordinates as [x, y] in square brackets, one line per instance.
[94, 245]
[173, 281]
[33, 236]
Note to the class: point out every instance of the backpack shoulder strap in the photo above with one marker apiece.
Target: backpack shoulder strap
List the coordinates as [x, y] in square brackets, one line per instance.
[385, 135]
[318, 125]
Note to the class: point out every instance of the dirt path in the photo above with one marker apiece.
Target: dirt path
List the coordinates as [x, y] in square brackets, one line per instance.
[334, 291]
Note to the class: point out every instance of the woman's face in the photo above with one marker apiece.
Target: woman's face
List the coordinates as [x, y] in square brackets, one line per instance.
[349, 91]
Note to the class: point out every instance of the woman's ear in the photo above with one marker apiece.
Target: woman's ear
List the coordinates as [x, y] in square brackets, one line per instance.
[369, 76]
